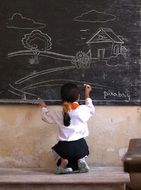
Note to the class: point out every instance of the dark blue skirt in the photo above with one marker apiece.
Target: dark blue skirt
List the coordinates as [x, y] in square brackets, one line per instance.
[72, 150]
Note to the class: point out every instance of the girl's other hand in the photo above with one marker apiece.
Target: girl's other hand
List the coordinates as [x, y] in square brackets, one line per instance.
[41, 103]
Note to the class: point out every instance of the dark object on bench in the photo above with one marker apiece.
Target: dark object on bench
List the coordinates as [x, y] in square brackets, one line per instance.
[132, 163]
[132, 159]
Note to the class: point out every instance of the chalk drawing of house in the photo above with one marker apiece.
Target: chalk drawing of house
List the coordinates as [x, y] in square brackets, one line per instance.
[104, 44]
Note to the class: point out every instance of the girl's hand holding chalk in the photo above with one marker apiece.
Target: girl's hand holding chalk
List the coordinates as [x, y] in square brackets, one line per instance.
[88, 89]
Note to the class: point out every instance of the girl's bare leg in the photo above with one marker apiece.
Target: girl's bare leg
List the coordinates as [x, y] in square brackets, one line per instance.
[64, 163]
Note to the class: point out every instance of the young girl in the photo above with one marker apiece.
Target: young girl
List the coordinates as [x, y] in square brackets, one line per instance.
[71, 150]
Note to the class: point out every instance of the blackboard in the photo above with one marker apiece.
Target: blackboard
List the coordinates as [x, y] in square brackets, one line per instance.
[46, 43]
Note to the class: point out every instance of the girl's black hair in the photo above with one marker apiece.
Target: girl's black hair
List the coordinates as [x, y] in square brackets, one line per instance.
[69, 93]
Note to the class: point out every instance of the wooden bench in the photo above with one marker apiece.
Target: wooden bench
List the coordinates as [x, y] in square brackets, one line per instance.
[132, 163]
[99, 178]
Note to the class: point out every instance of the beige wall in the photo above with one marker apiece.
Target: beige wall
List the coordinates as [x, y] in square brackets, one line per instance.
[25, 140]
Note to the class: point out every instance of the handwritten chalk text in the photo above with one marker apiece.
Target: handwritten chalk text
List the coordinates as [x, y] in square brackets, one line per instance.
[117, 94]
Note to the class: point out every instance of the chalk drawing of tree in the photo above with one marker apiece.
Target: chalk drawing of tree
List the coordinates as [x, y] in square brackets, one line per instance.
[37, 42]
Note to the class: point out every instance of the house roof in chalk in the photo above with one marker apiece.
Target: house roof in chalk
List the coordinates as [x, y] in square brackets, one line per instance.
[104, 35]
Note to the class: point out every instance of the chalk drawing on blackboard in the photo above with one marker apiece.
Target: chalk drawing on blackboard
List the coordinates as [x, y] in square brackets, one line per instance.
[33, 41]
[82, 60]
[19, 92]
[118, 94]
[37, 44]
[25, 84]
[43, 72]
[18, 21]
[24, 92]
[95, 16]
[36, 41]
[105, 44]
[84, 34]
[50, 54]
[95, 52]
[84, 30]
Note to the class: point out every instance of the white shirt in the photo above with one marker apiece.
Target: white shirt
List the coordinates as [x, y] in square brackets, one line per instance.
[78, 127]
